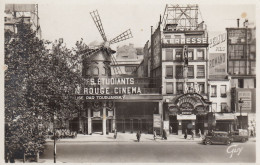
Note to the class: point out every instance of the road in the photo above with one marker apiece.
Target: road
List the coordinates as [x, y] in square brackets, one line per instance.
[151, 152]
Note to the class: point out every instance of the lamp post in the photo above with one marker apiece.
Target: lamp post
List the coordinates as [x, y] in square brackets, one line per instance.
[240, 101]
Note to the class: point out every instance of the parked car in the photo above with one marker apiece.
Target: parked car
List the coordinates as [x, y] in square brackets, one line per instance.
[236, 137]
[218, 137]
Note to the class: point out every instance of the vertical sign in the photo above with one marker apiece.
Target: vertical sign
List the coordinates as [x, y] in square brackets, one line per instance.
[217, 54]
[156, 120]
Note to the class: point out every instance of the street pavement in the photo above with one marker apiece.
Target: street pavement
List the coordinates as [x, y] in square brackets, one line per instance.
[159, 151]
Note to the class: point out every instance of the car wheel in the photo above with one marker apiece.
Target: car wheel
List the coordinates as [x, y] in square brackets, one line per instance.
[228, 142]
[208, 142]
[243, 140]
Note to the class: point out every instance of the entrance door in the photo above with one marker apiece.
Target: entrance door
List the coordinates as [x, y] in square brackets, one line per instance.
[173, 125]
[200, 124]
[97, 126]
[186, 125]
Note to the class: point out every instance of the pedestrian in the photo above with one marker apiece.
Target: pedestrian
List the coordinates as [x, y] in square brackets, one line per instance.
[115, 134]
[138, 135]
[185, 134]
[199, 133]
[164, 135]
[154, 134]
[170, 129]
[192, 135]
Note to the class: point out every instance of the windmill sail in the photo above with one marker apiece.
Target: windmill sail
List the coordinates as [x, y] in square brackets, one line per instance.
[123, 36]
[97, 21]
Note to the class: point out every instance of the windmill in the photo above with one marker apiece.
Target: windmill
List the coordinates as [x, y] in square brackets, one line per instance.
[105, 45]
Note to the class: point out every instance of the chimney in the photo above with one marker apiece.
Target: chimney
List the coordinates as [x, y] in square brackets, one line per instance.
[151, 30]
[238, 22]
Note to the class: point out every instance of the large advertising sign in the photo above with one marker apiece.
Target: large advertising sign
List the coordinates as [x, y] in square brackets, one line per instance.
[108, 88]
[156, 48]
[246, 97]
[217, 53]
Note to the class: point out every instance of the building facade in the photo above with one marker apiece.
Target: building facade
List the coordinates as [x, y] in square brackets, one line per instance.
[241, 57]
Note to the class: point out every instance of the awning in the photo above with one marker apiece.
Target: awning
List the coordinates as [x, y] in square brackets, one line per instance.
[186, 117]
[242, 114]
[225, 116]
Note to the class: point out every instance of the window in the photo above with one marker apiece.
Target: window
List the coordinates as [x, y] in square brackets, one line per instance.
[169, 71]
[240, 83]
[130, 69]
[200, 71]
[252, 70]
[236, 51]
[190, 55]
[190, 71]
[223, 91]
[179, 71]
[179, 88]
[200, 54]
[88, 72]
[213, 91]
[169, 54]
[95, 71]
[214, 107]
[178, 54]
[224, 107]
[169, 88]
[201, 88]
[190, 87]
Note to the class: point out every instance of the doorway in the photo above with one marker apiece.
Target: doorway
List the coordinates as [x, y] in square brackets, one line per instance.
[186, 125]
[173, 125]
[97, 126]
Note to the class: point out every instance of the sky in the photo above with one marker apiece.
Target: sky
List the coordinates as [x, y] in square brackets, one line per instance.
[73, 21]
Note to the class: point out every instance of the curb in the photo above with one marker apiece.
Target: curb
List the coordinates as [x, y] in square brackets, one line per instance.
[119, 141]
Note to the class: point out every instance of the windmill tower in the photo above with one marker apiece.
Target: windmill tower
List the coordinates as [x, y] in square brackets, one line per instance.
[97, 59]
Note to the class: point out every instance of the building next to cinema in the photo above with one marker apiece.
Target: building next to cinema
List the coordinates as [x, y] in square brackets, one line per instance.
[241, 67]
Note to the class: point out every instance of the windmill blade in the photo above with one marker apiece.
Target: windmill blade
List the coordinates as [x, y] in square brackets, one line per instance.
[124, 36]
[89, 52]
[97, 21]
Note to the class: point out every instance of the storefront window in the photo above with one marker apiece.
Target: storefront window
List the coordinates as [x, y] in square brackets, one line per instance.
[169, 54]
[169, 88]
[223, 90]
[179, 88]
[179, 71]
[169, 71]
[200, 71]
[213, 91]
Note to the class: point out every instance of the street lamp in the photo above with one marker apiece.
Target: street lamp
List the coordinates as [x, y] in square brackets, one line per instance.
[240, 101]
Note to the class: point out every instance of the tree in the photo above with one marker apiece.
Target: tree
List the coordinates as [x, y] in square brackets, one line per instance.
[39, 83]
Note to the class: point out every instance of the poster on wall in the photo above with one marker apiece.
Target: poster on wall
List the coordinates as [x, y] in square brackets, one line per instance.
[157, 121]
[217, 53]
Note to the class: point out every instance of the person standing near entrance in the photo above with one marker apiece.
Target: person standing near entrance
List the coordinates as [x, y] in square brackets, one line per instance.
[138, 135]
[115, 134]
[154, 134]
[185, 134]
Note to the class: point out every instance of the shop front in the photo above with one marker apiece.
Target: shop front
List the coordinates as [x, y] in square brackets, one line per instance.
[225, 122]
[187, 112]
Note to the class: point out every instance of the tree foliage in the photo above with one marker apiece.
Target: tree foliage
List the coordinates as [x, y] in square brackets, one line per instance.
[39, 83]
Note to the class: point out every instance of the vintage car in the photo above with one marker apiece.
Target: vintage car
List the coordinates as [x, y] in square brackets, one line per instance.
[238, 137]
[218, 137]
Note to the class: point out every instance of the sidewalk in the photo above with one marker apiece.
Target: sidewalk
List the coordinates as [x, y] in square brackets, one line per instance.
[126, 137]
